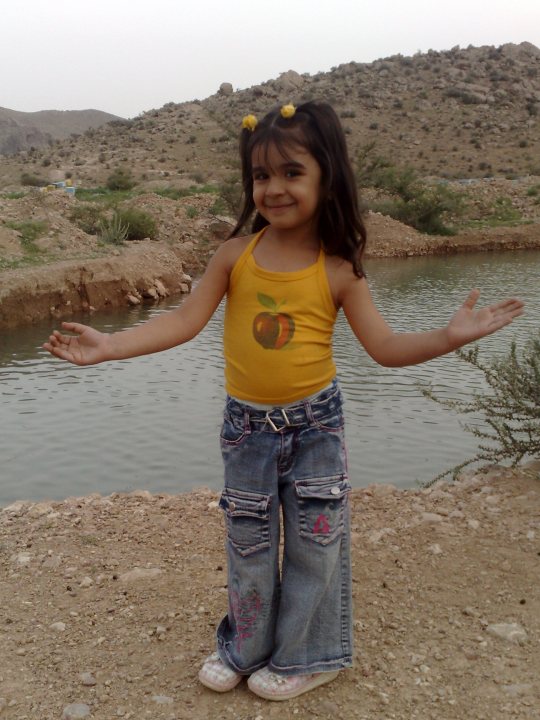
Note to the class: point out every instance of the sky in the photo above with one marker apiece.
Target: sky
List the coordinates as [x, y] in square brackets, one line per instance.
[128, 56]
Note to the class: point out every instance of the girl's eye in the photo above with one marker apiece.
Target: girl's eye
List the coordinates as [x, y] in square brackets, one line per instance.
[259, 176]
[292, 173]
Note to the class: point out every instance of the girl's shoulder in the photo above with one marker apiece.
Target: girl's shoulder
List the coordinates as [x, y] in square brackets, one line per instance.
[341, 277]
[231, 250]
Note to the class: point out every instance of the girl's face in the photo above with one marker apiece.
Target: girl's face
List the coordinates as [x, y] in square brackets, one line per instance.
[286, 190]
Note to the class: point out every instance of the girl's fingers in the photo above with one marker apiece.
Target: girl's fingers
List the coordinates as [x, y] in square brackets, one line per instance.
[472, 298]
[74, 327]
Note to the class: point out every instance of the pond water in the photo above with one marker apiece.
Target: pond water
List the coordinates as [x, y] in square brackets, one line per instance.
[153, 422]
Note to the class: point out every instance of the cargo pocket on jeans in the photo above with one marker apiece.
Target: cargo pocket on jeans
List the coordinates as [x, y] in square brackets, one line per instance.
[248, 520]
[321, 506]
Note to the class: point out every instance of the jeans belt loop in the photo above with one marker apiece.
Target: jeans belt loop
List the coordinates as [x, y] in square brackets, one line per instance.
[272, 424]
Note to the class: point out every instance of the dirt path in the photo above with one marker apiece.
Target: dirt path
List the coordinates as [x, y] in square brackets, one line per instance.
[109, 605]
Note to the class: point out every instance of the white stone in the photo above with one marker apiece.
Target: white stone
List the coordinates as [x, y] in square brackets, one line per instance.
[75, 710]
[431, 518]
[58, 627]
[511, 632]
[87, 679]
[435, 549]
[473, 524]
[140, 574]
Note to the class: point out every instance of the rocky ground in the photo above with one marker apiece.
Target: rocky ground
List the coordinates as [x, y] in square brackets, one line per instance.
[109, 605]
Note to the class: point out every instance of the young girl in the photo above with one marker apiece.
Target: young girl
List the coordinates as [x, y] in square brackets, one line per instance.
[282, 436]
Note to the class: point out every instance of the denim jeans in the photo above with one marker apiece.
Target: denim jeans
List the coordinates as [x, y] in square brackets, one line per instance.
[299, 620]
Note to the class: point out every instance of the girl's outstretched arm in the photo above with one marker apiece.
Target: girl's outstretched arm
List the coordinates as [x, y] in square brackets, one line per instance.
[398, 349]
[88, 346]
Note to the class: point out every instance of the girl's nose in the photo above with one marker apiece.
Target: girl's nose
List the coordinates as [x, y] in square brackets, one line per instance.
[275, 186]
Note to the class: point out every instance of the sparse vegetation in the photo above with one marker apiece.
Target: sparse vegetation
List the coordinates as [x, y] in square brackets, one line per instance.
[113, 231]
[121, 179]
[501, 213]
[88, 217]
[30, 231]
[139, 224]
[32, 180]
[510, 411]
[409, 199]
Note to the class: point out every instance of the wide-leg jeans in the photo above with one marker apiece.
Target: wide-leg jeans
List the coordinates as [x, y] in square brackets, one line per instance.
[288, 461]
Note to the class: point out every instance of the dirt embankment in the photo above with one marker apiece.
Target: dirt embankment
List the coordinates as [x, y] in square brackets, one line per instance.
[110, 604]
[148, 271]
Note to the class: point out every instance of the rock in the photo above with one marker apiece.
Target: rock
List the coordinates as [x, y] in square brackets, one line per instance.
[435, 549]
[517, 689]
[376, 535]
[473, 524]
[290, 81]
[87, 679]
[58, 627]
[75, 710]
[132, 300]
[140, 574]
[431, 518]
[511, 632]
[226, 89]
[162, 699]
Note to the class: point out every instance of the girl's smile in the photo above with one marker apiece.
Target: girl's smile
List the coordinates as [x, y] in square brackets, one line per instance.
[286, 189]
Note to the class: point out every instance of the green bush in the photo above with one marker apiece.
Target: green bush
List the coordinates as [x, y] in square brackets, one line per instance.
[511, 411]
[139, 224]
[88, 217]
[121, 179]
[412, 201]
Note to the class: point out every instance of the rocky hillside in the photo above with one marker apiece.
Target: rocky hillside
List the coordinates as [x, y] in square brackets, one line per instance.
[461, 113]
[23, 130]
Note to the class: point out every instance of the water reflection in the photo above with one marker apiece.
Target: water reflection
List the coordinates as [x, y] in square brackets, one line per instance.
[153, 422]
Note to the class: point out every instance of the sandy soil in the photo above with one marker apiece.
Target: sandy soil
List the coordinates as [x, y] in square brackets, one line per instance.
[109, 605]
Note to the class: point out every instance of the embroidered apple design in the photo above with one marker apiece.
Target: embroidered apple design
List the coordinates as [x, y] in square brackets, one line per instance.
[273, 330]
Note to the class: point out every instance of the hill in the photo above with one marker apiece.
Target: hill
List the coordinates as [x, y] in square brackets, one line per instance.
[467, 117]
[23, 130]
[461, 113]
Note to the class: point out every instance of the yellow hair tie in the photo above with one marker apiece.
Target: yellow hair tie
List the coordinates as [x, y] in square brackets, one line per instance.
[287, 111]
[249, 122]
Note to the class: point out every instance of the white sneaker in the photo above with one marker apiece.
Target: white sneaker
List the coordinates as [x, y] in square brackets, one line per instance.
[272, 686]
[217, 676]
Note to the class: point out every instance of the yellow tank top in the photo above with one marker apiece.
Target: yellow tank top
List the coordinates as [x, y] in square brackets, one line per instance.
[278, 331]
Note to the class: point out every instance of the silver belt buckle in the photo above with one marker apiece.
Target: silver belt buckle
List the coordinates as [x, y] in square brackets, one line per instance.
[272, 424]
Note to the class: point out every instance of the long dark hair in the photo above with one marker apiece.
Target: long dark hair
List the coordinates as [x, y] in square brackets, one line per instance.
[315, 127]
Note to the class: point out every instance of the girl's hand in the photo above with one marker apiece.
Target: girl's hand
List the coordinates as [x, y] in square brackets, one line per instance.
[87, 347]
[469, 324]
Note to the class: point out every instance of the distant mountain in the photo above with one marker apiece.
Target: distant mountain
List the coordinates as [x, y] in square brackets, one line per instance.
[23, 130]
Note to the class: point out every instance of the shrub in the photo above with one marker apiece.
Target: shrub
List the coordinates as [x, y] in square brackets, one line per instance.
[32, 180]
[412, 201]
[88, 217]
[113, 231]
[139, 224]
[511, 411]
[121, 179]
